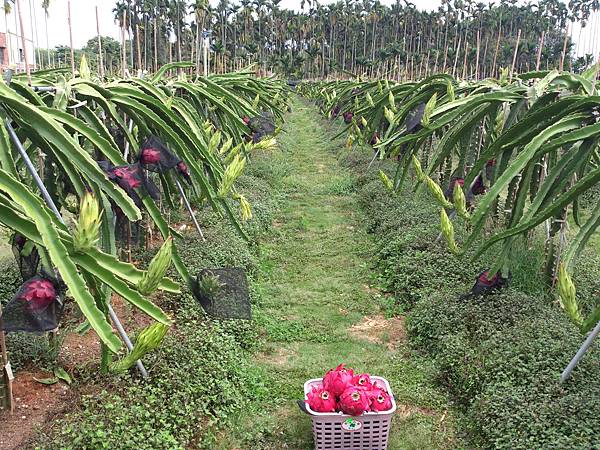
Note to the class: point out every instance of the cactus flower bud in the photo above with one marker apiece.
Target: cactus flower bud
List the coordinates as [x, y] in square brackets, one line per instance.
[369, 100]
[448, 232]
[437, 192]
[244, 207]
[389, 115]
[157, 269]
[87, 229]
[392, 101]
[429, 108]
[226, 146]
[350, 141]
[148, 340]
[418, 170]
[567, 295]
[214, 142]
[460, 202]
[386, 181]
[232, 173]
[256, 101]
[450, 91]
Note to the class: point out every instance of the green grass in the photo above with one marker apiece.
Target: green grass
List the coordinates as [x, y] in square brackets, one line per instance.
[312, 288]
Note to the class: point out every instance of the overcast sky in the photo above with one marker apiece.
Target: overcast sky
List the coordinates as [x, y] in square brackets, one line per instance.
[84, 19]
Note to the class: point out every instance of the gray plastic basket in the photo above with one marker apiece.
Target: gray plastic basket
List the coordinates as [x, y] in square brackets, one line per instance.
[339, 431]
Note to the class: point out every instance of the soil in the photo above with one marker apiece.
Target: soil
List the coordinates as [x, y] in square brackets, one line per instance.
[379, 330]
[34, 404]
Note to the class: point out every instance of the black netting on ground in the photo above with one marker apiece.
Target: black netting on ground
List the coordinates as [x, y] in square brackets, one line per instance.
[133, 179]
[26, 255]
[223, 293]
[36, 307]
[262, 126]
[484, 284]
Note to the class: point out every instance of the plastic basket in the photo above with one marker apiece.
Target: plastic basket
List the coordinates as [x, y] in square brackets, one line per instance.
[339, 431]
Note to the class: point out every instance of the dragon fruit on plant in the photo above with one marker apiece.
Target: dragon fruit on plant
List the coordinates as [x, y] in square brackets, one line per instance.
[337, 380]
[354, 401]
[380, 399]
[38, 293]
[321, 400]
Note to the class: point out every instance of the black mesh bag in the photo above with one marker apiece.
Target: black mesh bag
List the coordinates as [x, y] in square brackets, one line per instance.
[261, 126]
[485, 285]
[26, 255]
[36, 307]
[413, 119]
[133, 179]
[223, 293]
[156, 157]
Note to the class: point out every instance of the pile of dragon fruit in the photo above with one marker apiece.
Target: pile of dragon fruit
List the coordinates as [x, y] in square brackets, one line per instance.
[343, 391]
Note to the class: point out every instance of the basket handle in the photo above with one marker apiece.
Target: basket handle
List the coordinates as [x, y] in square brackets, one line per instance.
[302, 406]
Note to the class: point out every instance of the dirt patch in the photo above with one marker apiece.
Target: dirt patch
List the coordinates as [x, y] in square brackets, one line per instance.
[34, 404]
[379, 330]
[277, 357]
[79, 350]
[405, 411]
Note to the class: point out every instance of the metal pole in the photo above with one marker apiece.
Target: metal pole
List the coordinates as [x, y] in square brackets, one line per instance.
[189, 208]
[582, 350]
[52, 206]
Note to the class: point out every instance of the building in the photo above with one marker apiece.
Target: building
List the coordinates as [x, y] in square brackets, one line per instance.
[11, 47]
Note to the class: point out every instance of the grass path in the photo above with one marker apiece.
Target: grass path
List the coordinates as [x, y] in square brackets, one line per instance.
[317, 308]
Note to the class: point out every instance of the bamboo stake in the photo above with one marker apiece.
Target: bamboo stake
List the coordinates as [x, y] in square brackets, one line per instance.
[539, 55]
[101, 62]
[512, 69]
[155, 44]
[456, 56]
[23, 42]
[71, 40]
[123, 49]
[564, 51]
[477, 54]
[494, 69]
[6, 370]
[139, 49]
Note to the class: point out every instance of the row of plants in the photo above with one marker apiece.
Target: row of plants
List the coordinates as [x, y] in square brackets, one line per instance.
[202, 376]
[498, 356]
[107, 145]
[511, 162]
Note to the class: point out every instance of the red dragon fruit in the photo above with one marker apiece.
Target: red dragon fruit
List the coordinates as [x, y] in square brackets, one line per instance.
[337, 380]
[380, 399]
[321, 400]
[354, 401]
[348, 117]
[362, 381]
[38, 293]
[150, 156]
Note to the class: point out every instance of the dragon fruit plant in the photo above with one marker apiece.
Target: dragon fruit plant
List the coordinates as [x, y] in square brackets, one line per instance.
[343, 391]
